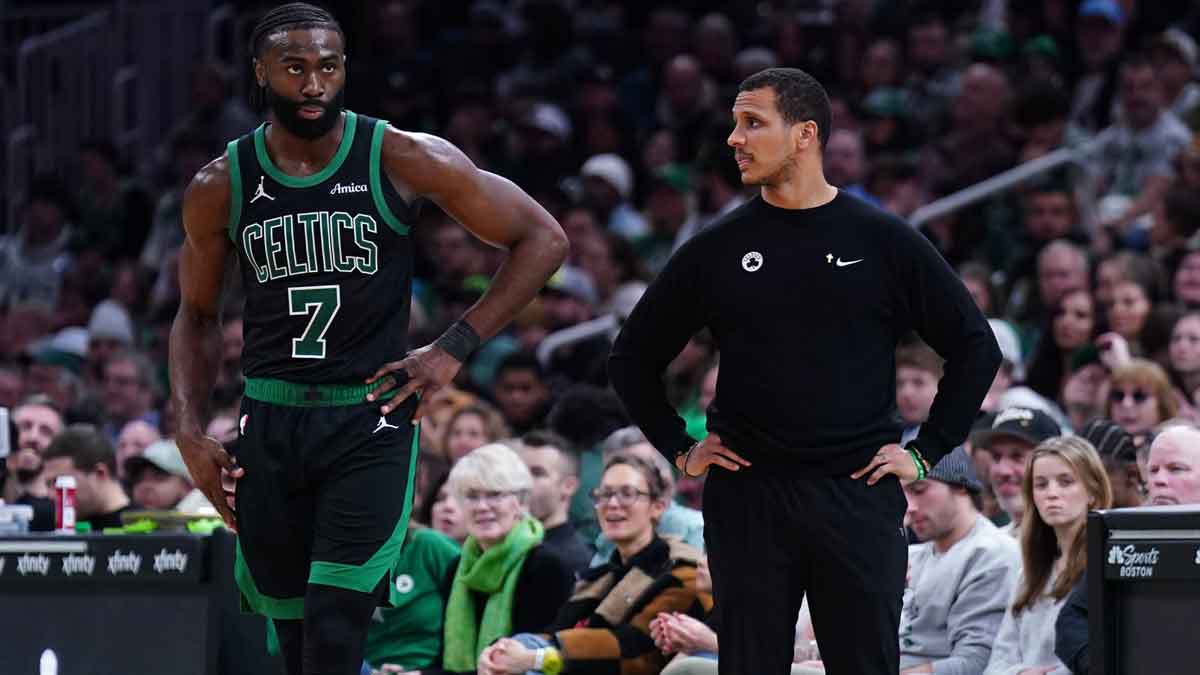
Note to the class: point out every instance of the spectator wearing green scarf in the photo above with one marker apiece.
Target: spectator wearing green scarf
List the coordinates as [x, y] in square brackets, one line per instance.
[507, 581]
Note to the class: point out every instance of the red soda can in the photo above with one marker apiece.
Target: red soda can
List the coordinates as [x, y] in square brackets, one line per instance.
[64, 504]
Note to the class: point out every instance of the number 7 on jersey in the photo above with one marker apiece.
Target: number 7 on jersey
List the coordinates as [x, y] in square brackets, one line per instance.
[323, 302]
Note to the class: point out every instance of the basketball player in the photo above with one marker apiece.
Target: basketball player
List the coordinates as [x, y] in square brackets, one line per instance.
[317, 205]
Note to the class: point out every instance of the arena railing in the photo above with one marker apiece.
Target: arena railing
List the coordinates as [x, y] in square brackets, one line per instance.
[58, 99]
[1077, 156]
[122, 74]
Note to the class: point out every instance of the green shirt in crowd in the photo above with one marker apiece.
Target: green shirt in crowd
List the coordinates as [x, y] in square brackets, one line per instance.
[409, 633]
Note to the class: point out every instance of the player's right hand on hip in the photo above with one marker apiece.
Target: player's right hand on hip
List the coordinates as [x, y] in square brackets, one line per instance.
[709, 452]
[428, 369]
[213, 470]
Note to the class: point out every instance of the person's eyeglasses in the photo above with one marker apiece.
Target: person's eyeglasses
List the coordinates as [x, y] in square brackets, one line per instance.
[626, 495]
[1139, 396]
[489, 497]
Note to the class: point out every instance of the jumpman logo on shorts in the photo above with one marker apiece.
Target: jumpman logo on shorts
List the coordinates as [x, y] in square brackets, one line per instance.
[383, 424]
[260, 192]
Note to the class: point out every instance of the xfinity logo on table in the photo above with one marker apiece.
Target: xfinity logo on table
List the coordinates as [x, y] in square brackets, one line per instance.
[124, 563]
[1134, 563]
[164, 561]
[78, 564]
[31, 563]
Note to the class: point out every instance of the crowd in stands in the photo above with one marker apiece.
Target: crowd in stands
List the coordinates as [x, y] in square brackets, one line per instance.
[541, 518]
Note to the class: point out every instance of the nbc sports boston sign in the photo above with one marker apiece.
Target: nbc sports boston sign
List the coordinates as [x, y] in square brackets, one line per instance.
[1140, 560]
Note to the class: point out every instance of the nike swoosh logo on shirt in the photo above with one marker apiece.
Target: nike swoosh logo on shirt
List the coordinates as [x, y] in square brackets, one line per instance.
[847, 263]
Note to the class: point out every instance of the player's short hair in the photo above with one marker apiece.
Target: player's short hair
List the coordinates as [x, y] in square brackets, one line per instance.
[291, 16]
[494, 466]
[798, 96]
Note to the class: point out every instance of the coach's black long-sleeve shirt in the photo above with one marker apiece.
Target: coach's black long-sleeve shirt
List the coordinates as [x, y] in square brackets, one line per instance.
[807, 307]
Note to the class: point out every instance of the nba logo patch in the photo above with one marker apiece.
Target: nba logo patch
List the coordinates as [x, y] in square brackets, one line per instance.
[242, 424]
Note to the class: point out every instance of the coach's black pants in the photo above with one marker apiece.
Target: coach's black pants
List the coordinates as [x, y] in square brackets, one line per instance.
[774, 535]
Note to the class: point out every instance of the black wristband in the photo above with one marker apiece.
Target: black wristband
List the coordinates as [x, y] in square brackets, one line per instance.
[459, 340]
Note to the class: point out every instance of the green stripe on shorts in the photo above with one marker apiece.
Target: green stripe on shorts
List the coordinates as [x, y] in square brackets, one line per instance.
[365, 577]
[254, 601]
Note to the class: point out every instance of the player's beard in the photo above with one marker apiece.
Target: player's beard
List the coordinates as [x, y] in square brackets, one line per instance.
[287, 113]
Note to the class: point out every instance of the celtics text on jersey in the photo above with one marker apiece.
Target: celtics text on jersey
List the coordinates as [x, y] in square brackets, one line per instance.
[325, 259]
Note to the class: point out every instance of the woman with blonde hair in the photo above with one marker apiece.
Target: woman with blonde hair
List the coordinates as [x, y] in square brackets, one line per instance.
[1140, 397]
[1065, 480]
[507, 581]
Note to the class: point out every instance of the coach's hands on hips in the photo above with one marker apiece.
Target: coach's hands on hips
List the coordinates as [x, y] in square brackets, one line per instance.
[214, 471]
[429, 369]
[706, 453]
[891, 459]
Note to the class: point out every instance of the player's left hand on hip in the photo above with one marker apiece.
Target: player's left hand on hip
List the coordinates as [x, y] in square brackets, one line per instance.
[428, 369]
[891, 459]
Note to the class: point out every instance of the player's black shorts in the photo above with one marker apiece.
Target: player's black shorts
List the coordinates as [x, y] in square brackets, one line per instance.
[325, 498]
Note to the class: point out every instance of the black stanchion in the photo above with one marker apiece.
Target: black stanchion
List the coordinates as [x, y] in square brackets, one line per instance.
[128, 604]
[1144, 590]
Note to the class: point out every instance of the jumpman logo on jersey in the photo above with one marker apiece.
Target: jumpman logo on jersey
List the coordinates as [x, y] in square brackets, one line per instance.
[383, 424]
[260, 192]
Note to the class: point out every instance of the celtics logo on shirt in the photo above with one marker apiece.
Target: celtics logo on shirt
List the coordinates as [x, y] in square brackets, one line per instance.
[404, 584]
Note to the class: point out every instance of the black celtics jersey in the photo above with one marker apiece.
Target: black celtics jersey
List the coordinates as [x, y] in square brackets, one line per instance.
[326, 260]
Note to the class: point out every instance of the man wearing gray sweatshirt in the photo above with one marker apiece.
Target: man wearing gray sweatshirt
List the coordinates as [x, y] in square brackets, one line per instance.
[960, 577]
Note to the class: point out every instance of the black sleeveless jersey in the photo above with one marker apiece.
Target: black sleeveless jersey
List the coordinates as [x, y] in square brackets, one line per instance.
[326, 260]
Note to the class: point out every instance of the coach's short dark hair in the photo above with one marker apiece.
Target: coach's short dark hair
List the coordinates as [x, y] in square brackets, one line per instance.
[85, 446]
[798, 96]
